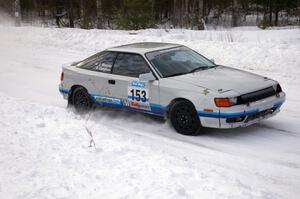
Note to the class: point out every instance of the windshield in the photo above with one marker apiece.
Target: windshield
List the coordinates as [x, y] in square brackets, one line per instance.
[178, 61]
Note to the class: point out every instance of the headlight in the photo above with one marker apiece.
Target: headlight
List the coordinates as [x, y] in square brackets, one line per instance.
[225, 102]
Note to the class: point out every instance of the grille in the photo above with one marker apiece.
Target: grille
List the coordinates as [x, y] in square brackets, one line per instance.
[257, 95]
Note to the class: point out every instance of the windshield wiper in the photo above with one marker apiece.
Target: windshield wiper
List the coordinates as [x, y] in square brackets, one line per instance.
[176, 74]
[194, 70]
[202, 68]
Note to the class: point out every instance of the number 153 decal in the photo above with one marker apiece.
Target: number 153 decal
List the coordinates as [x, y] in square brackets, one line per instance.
[138, 95]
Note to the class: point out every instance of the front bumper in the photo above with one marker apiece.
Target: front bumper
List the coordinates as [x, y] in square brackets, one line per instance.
[243, 115]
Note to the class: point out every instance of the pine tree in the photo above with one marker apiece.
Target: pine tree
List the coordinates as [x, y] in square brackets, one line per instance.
[135, 14]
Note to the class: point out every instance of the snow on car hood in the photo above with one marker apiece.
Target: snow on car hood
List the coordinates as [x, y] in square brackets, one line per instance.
[221, 79]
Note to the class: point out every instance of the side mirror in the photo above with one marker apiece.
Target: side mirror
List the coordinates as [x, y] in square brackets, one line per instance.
[212, 60]
[146, 77]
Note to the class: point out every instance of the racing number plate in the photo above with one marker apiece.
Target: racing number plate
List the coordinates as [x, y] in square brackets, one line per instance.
[138, 95]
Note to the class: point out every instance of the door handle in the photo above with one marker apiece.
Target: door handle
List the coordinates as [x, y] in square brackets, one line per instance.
[112, 81]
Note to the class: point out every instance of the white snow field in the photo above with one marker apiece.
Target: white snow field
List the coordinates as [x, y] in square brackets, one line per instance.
[44, 147]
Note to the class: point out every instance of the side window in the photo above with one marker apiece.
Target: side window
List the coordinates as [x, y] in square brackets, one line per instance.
[130, 65]
[101, 62]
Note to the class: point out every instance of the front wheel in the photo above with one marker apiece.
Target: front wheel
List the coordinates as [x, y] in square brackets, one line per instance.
[184, 118]
[81, 100]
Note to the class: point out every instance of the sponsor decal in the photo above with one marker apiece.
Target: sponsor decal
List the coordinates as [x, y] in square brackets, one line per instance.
[108, 100]
[137, 105]
[138, 84]
[105, 67]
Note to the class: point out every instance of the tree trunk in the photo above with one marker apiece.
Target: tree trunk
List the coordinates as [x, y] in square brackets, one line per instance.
[265, 9]
[81, 12]
[234, 13]
[83, 17]
[17, 13]
[70, 13]
[153, 10]
[257, 13]
[270, 11]
[179, 14]
[205, 11]
[276, 13]
[200, 15]
[99, 15]
[276, 18]
[186, 14]
[175, 14]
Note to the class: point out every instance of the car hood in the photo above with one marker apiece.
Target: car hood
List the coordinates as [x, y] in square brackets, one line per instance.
[222, 79]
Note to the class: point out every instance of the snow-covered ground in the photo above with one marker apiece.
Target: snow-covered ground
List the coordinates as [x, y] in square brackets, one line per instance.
[44, 147]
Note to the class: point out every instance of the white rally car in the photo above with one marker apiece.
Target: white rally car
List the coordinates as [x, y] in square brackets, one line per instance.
[171, 81]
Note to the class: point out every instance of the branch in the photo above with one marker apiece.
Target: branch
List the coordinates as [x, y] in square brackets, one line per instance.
[92, 142]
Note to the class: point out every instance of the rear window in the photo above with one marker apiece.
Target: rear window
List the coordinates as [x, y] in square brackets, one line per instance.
[101, 62]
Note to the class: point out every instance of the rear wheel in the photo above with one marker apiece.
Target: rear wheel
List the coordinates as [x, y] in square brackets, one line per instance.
[81, 100]
[184, 118]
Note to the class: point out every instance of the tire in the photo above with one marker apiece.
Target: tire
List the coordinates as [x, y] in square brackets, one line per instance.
[81, 100]
[184, 118]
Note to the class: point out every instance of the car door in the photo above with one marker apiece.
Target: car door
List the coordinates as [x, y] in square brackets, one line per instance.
[96, 74]
[125, 84]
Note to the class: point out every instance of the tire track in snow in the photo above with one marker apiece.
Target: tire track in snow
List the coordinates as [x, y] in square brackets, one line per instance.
[167, 135]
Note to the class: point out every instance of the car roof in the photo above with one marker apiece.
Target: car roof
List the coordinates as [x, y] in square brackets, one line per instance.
[143, 47]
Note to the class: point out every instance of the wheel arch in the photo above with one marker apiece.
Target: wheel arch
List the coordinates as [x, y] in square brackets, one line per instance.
[70, 100]
[193, 123]
[170, 105]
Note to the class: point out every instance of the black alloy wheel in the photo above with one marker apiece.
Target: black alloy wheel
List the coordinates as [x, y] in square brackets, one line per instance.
[184, 118]
[81, 100]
